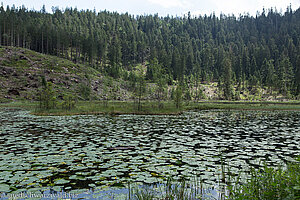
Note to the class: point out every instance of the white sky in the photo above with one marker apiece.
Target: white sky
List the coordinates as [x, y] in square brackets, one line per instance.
[163, 7]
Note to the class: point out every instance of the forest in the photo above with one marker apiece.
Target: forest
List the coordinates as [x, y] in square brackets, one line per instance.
[237, 52]
[107, 104]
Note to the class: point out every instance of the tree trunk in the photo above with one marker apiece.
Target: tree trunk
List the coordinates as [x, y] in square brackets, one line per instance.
[196, 96]
[57, 49]
[0, 36]
[98, 63]
[71, 52]
[63, 51]
[47, 44]
[42, 42]
[36, 46]
[4, 33]
[140, 96]
[18, 40]
[12, 38]
[76, 56]
[24, 40]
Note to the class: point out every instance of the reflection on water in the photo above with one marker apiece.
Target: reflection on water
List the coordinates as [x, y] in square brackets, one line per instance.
[72, 153]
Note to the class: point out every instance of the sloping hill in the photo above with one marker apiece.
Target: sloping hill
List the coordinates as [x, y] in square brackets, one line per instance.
[21, 72]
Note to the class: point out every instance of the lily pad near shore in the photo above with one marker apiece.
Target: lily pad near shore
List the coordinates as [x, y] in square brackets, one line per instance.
[82, 152]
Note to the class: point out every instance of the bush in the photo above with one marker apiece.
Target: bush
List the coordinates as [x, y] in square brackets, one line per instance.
[68, 102]
[85, 91]
[47, 98]
[178, 97]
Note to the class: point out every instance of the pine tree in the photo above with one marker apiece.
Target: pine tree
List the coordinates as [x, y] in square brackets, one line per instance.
[140, 87]
[269, 72]
[227, 77]
[114, 56]
[178, 96]
[47, 96]
[285, 75]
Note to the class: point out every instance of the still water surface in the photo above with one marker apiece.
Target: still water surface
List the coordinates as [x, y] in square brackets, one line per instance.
[81, 154]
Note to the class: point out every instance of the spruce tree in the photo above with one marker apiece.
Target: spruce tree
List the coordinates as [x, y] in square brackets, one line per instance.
[227, 77]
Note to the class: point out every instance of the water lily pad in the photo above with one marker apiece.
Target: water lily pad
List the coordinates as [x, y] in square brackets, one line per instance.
[4, 188]
[61, 181]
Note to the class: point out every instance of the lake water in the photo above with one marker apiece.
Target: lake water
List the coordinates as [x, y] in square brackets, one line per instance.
[85, 154]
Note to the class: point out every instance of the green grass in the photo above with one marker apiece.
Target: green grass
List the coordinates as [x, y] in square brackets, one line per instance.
[170, 190]
[150, 107]
[269, 183]
[240, 105]
[113, 107]
[29, 105]
[99, 107]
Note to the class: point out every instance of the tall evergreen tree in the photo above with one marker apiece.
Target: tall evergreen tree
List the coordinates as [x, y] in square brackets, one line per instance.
[227, 77]
[269, 73]
[285, 74]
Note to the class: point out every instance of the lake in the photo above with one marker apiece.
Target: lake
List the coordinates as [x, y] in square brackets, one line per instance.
[81, 154]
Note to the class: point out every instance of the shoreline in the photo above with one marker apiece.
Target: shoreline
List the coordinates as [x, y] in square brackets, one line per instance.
[115, 108]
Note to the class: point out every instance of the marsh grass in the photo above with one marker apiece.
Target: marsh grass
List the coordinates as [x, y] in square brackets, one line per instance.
[150, 107]
[172, 190]
[269, 183]
[114, 108]
[263, 184]
[242, 105]
[29, 105]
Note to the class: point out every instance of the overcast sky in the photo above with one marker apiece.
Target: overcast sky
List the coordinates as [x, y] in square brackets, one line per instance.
[162, 7]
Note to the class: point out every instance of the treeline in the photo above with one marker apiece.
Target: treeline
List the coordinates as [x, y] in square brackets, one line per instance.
[241, 51]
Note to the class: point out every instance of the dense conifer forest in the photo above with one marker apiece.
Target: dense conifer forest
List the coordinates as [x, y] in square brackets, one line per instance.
[234, 51]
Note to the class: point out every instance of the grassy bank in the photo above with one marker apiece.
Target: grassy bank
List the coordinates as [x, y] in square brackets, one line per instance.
[151, 107]
[115, 107]
[244, 105]
[101, 107]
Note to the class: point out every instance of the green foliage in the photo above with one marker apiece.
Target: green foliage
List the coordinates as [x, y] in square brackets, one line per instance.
[85, 91]
[140, 86]
[156, 73]
[264, 184]
[270, 183]
[227, 77]
[201, 94]
[106, 94]
[171, 190]
[47, 96]
[132, 79]
[48, 100]
[270, 75]
[285, 75]
[187, 94]
[115, 89]
[178, 97]
[161, 87]
[150, 107]
[68, 102]
[142, 194]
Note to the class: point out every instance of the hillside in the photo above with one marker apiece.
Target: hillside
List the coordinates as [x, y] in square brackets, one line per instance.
[21, 72]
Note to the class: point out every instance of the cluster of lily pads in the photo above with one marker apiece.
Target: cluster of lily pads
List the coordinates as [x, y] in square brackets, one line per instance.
[74, 153]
